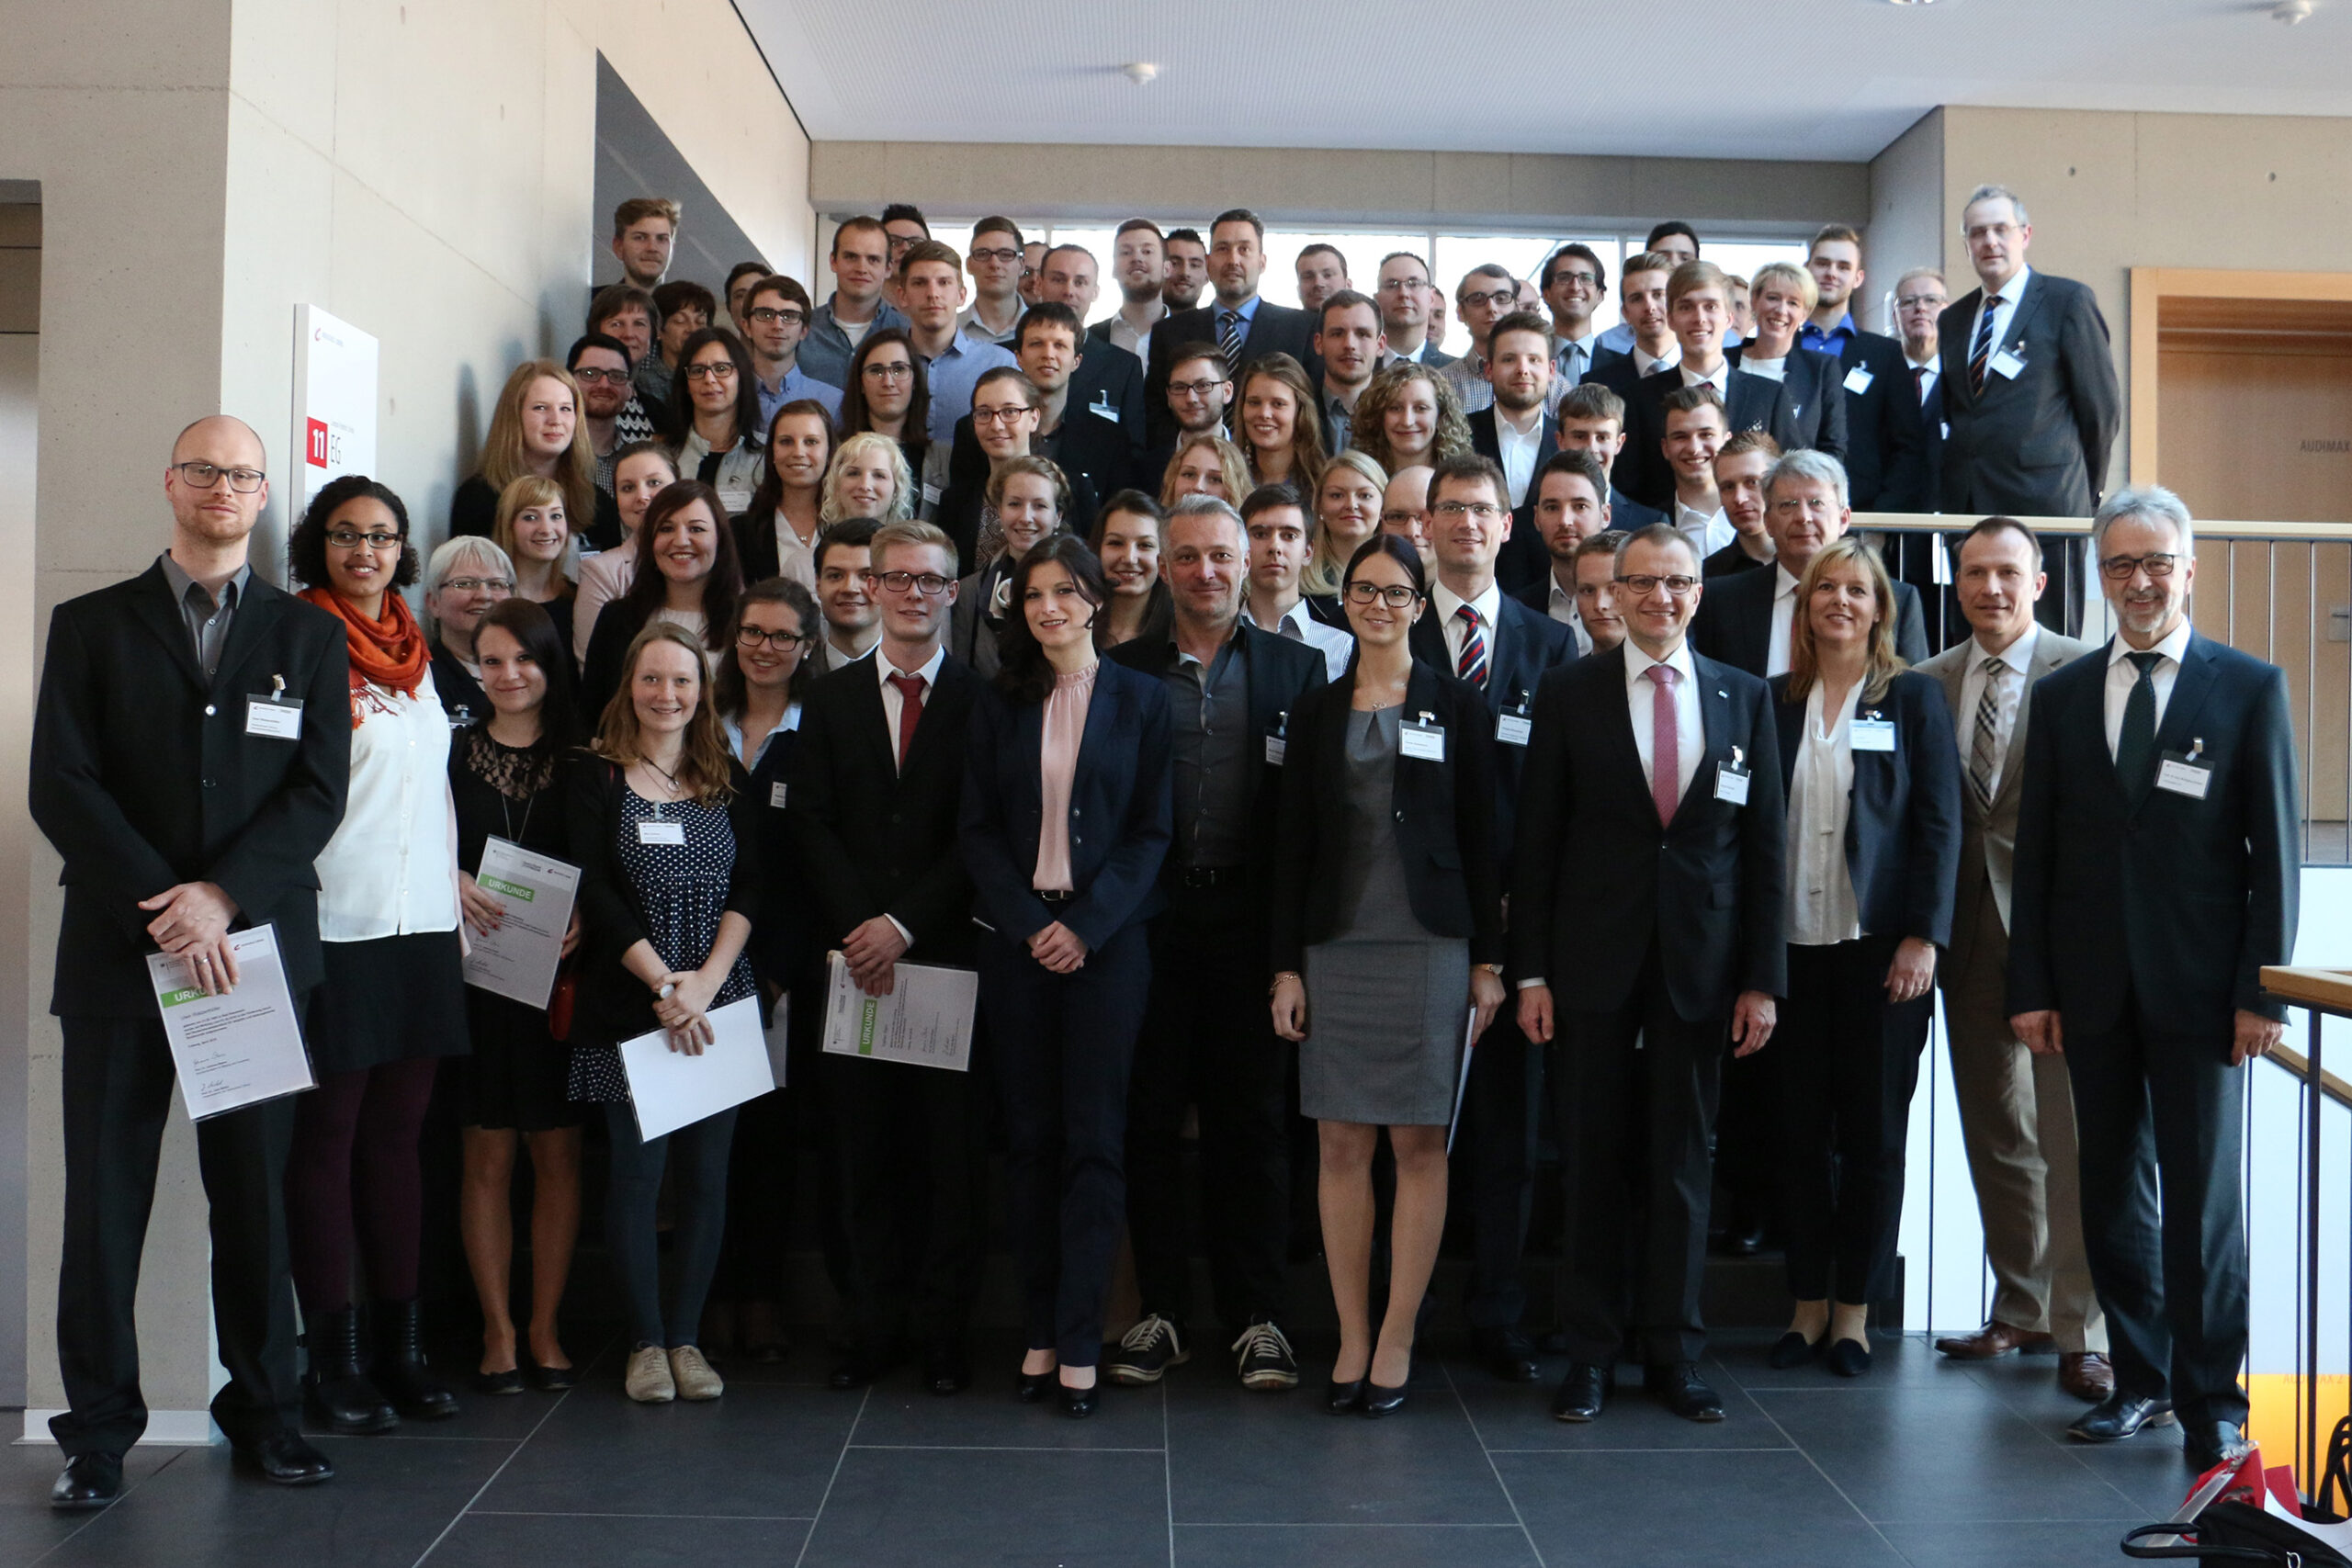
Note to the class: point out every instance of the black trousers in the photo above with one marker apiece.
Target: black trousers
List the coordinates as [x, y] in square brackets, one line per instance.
[1208, 1041]
[1495, 1156]
[1845, 1062]
[2160, 1113]
[1063, 1045]
[913, 1180]
[770, 1133]
[117, 1092]
[1634, 1122]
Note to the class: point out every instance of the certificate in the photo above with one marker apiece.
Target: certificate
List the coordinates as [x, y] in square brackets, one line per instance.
[925, 1020]
[240, 1048]
[671, 1090]
[519, 958]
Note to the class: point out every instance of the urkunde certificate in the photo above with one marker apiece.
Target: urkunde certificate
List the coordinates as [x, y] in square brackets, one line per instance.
[925, 1020]
[519, 958]
[240, 1048]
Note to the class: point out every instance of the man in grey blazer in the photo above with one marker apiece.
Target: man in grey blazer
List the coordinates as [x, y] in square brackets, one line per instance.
[2017, 1110]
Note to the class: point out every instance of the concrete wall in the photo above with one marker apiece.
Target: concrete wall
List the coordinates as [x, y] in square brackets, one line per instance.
[1907, 224]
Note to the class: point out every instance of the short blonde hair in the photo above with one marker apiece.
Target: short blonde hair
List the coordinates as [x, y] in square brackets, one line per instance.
[534, 490]
[1788, 273]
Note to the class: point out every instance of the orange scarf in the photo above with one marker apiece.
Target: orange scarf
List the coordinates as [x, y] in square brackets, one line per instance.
[388, 652]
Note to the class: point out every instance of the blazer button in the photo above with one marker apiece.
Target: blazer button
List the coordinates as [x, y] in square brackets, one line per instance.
[210, 710]
[208, 784]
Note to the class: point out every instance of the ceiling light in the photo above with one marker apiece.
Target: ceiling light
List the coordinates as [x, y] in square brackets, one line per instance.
[1910, 2]
[1143, 71]
[2292, 11]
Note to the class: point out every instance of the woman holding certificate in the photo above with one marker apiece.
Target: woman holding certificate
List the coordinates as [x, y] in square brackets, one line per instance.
[392, 1003]
[1065, 819]
[1388, 937]
[502, 777]
[666, 828]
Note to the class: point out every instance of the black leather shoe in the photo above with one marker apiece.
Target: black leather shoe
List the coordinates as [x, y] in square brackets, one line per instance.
[552, 1380]
[89, 1480]
[1032, 1387]
[1345, 1398]
[1379, 1401]
[856, 1366]
[2119, 1417]
[1792, 1350]
[399, 1368]
[1848, 1358]
[283, 1458]
[1080, 1400]
[335, 1389]
[1552, 1342]
[946, 1369]
[2209, 1443]
[1680, 1389]
[1509, 1355]
[1582, 1393]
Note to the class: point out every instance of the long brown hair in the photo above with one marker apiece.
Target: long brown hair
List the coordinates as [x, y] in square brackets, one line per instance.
[504, 460]
[1307, 425]
[648, 589]
[855, 421]
[704, 766]
[728, 687]
[1882, 663]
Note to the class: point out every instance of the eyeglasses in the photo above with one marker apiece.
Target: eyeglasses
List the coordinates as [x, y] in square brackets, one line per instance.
[1395, 595]
[1194, 388]
[472, 584]
[783, 642]
[2118, 569]
[1400, 515]
[1402, 285]
[1455, 510]
[351, 539]
[1644, 583]
[1497, 298]
[204, 476]
[1578, 277]
[590, 378]
[768, 315]
[722, 371]
[1003, 256]
[889, 370]
[1008, 415]
[928, 583]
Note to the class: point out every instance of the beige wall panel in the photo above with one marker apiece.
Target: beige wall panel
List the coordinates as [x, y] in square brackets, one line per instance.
[1906, 219]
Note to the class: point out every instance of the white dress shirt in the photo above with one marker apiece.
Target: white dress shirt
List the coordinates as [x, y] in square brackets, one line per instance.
[2015, 660]
[2010, 293]
[1444, 603]
[390, 868]
[1336, 645]
[1784, 620]
[1689, 731]
[1707, 531]
[1719, 377]
[835, 659]
[1519, 450]
[1924, 374]
[2122, 675]
[1821, 909]
[1562, 607]
[891, 699]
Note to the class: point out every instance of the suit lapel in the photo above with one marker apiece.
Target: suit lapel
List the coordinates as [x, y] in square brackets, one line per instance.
[1093, 739]
[2190, 688]
[873, 721]
[258, 613]
[2012, 783]
[2028, 303]
[151, 599]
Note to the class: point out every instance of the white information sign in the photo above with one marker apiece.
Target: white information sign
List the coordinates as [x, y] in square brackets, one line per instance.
[335, 403]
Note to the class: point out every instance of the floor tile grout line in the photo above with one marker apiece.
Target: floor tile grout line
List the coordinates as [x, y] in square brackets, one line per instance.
[491, 1480]
[76, 1533]
[570, 1514]
[1492, 1468]
[1168, 1472]
[996, 1448]
[839, 1459]
[1351, 1525]
[1688, 1449]
[1802, 1452]
[2073, 1451]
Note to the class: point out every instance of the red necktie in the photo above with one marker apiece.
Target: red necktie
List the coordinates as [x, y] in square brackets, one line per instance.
[1666, 753]
[909, 710]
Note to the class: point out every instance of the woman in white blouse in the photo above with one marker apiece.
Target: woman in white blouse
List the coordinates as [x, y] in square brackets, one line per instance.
[392, 1003]
[1871, 769]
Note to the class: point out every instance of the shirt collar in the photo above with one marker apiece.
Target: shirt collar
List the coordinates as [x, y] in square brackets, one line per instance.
[1719, 377]
[1811, 332]
[2018, 654]
[1786, 584]
[2173, 647]
[2014, 290]
[884, 668]
[231, 591]
[1488, 603]
[1246, 310]
[1636, 661]
[1231, 637]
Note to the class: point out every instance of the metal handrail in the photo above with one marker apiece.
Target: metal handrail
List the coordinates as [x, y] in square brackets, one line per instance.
[2320, 992]
[1959, 522]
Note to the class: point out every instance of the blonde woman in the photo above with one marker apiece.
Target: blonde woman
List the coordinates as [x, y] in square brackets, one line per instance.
[1205, 464]
[867, 478]
[537, 428]
[1409, 417]
[533, 528]
[1347, 513]
[1782, 295]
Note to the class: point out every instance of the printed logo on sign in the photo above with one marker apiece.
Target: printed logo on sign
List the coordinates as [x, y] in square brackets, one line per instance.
[317, 442]
[510, 889]
[865, 1027]
[184, 994]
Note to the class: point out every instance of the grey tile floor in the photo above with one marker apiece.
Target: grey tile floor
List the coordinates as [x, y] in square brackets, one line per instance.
[1923, 1462]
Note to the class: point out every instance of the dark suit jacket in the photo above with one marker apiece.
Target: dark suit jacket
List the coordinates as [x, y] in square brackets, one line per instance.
[1627, 515]
[1108, 375]
[1729, 561]
[1443, 812]
[1274, 329]
[1817, 394]
[1735, 621]
[876, 839]
[1523, 647]
[1120, 809]
[1902, 820]
[1886, 465]
[1931, 440]
[1598, 880]
[2172, 902]
[1618, 372]
[2035, 445]
[1090, 450]
[1757, 403]
[787, 934]
[144, 777]
[600, 672]
[457, 689]
[1523, 559]
[1280, 673]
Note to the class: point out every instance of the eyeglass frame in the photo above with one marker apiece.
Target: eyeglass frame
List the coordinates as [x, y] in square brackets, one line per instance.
[1386, 592]
[2132, 564]
[188, 477]
[782, 642]
[918, 580]
[1643, 583]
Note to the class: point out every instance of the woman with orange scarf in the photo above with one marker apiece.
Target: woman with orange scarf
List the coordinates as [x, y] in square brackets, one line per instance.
[393, 1002]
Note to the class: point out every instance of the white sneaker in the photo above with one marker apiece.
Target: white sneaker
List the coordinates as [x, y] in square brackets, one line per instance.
[649, 1380]
[695, 1378]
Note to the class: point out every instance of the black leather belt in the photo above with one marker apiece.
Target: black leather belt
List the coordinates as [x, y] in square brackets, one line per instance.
[1057, 897]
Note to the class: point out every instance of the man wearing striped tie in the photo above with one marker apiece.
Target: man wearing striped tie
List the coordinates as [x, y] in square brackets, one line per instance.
[1243, 326]
[2030, 393]
[2016, 1111]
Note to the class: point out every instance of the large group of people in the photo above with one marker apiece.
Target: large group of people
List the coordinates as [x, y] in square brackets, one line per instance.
[1291, 724]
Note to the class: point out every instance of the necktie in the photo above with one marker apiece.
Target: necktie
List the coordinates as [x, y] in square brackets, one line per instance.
[909, 710]
[2135, 747]
[1471, 665]
[1665, 756]
[1984, 747]
[1983, 351]
[1919, 384]
[1229, 338]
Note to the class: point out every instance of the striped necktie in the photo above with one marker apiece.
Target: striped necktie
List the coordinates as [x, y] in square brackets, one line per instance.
[1982, 353]
[1471, 665]
[1984, 747]
[1229, 331]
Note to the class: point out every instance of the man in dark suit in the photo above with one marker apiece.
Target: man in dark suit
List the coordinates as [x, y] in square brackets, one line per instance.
[1645, 908]
[875, 784]
[1697, 302]
[1591, 418]
[1477, 631]
[1087, 442]
[1882, 456]
[1208, 1036]
[1403, 293]
[1746, 619]
[1514, 433]
[191, 754]
[2157, 864]
[1106, 382]
[1922, 559]
[1243, 326]
[2030, 402]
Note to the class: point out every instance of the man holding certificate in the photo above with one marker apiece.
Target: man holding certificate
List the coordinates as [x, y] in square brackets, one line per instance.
[190, 758]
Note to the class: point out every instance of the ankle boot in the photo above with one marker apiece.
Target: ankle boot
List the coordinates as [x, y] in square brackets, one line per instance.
[335, 1386]
[400, 1364]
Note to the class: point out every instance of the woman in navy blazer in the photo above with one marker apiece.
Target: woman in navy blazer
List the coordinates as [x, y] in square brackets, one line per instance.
[1871, 769]
[1065, 819]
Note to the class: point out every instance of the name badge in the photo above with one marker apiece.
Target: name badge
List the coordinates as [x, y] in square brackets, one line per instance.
[661, 832]
[1101, 406]
[930, 495]
[2184, 775]
[1512, 728]
[1857, 379]
[776, 795]
[1731, 783]
[735, 500]
[1874, 735]
[2007, 364]
[274, 719]
[1276, 749]
[1424, 739]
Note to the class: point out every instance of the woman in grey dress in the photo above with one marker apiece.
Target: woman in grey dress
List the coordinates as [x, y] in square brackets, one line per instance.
[1388, 937]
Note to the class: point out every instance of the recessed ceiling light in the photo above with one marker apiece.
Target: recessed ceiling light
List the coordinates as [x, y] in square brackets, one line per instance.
[2292, 11]
[1140, 71]
[1910, 2]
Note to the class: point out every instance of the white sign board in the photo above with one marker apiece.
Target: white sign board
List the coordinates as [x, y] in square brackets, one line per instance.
[335, 403]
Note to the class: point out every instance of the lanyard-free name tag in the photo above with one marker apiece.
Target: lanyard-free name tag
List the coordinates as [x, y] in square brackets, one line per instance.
[1857, 379]
[776, 795]
[1732, 778]
[661, 832]
[1100, 407]
[930, 495]
[2185, 772]
[1277, 747]
[2007, 364]
[1513, 728]
[1424, 739]
[1874, 735]
[276, 717]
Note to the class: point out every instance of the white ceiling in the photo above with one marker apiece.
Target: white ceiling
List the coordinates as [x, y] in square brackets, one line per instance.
[1844, 77]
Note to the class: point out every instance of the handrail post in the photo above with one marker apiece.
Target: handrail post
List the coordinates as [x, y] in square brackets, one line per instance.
[2313, 1102]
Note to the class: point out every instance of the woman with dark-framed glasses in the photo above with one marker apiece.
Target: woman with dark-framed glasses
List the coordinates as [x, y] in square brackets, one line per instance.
[715, 417]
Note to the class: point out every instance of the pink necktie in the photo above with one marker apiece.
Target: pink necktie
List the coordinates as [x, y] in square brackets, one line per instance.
[1666, 757]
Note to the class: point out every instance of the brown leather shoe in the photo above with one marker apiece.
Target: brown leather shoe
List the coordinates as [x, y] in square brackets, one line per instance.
[1995, 1339]
[2087, 1375]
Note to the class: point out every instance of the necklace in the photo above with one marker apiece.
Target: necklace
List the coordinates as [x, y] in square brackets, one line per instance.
[667, 777]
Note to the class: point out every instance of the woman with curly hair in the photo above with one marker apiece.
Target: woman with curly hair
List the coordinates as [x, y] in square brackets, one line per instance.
[1411, 416]
[1206, 464]
[867, 478]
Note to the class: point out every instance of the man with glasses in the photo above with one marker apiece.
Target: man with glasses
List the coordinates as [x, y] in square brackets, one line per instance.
[190, 756]
[930, 288]
[1198, 393]
[1646, 927]
[1405, 510]
[1346, 337]
[1138, 259]
[845, 566]
[861, 265]
[2158, 859]
[1404, 294]
[1208, 1037]
[994, 261]
[1919, 299]
[1487, 294]
[875, 784]
[776, 317]
[1243, 326]
[608, 404]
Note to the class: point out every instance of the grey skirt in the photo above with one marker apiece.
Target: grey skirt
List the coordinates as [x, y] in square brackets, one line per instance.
[1384, 1021]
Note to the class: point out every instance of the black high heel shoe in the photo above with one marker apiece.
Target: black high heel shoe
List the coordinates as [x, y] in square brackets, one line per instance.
[1080, 1400]
[1379, 1401]
[1032, 1387]
[1345, 1398]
